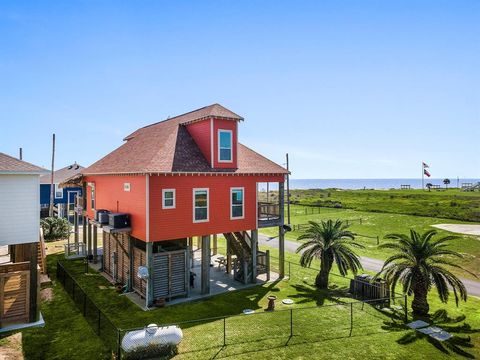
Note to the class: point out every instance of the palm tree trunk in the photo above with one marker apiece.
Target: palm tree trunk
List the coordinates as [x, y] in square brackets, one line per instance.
[420, 304]
[321, 281]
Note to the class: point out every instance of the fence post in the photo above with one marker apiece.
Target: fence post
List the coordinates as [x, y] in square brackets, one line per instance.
[378, 240]
[406, 307]
[224, 331]
[119, 351]
[98, 324]
[291, 322]
[351, 318]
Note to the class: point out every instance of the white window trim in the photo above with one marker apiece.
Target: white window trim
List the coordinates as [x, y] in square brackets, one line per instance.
[93, 196]
[243, 204]
[208, 204]
[231, 145]
[55, 191]
[174, 199]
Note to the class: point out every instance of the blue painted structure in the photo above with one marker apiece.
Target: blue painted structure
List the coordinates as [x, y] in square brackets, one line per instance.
[45, 195]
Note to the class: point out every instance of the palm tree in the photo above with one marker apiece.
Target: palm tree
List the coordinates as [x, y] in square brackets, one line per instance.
[329, 242]
[446, 182]
[418, 264]
[429, 186]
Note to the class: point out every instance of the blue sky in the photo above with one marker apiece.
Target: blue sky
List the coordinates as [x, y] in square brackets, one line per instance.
[351, 89]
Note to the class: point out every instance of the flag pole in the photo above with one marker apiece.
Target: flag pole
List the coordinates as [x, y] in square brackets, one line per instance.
[423, 176]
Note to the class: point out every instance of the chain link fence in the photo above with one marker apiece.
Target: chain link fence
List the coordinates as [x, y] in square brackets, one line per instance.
[99, 322]
[336, 315]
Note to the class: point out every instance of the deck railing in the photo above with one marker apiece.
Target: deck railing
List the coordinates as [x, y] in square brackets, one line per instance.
[268, 211]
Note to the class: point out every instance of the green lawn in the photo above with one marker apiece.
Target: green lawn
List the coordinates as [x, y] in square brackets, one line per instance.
[66, 334]
[452, 204]
[317, 330]
[379, 224]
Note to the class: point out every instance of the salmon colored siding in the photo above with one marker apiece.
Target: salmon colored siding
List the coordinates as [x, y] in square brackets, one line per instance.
[110, 195]
[167, 224]
[219, 124]
[201, 133]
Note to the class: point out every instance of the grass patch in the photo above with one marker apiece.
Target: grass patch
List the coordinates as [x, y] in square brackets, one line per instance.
[66, 334]
[451, 203]
[379, 224]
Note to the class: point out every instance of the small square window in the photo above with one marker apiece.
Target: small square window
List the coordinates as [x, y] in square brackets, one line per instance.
[168, 198]
[58, 192]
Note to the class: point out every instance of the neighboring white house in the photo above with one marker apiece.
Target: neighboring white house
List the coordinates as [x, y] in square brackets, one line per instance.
[20, 230]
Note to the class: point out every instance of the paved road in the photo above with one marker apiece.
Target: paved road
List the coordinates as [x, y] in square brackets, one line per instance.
[473, 287]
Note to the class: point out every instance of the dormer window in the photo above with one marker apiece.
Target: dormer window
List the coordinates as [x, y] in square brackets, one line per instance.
[225, 146]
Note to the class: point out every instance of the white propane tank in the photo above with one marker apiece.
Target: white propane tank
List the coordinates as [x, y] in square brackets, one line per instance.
[152, 335]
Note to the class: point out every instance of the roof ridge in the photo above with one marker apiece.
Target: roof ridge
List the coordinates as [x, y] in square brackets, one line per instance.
[23, 161]
[211, 106]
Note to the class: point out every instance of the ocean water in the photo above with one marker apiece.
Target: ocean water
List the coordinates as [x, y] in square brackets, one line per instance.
[380, 184]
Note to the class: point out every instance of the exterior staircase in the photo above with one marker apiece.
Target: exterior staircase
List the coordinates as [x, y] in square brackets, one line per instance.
[241, 247]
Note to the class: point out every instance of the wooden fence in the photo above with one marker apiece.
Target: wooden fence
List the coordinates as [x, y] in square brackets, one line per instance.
[14, 293]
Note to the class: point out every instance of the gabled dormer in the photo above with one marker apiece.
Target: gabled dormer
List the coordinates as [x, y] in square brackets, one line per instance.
[215, 133]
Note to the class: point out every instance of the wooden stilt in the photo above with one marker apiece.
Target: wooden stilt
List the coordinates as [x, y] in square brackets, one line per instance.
[215, 245]
[149, 263]
[33, 252]
[75, 227]
[131, 270]
[228, 268]
[205, 265]
[89, 239]
[254, 238]
[281, 233]
[95, 252]
[84, 228]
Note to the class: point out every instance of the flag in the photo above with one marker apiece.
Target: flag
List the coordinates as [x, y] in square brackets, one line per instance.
[425, 171]
[425, 166]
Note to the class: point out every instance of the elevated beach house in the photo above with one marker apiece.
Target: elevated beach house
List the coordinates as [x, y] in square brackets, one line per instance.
[20, 262]
[63, 198]
[174, 186]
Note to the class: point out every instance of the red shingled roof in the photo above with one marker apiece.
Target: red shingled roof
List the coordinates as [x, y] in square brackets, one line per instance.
[167, 147]
[11, 165]
[62, 174]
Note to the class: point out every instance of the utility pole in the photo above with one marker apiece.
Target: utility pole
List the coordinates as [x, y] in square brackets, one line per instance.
[52, 190]
[288, 193]
[20, 154]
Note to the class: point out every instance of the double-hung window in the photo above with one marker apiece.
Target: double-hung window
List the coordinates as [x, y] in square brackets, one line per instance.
[168, 198]
[58, 192]
[225, 146]
[237, 202]
[200, 205]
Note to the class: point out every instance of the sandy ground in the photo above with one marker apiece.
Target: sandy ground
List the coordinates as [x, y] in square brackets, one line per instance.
[11, 348]
[465, 229]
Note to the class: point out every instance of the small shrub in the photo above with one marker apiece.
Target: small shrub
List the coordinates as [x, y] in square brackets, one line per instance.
[55, 228]
[453, 203]
[153, 351]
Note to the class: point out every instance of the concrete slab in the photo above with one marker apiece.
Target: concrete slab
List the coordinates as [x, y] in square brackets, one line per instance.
[15, 327]
[465, 229]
